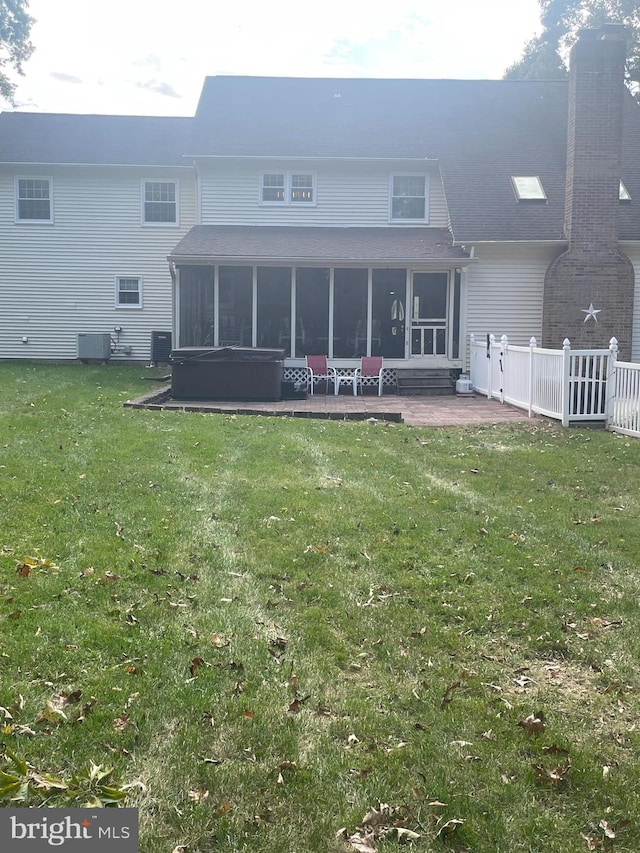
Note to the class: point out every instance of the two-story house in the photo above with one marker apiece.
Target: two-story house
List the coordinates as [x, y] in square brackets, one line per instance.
[337, 216]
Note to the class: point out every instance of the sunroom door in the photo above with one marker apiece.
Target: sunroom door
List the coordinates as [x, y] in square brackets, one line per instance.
[429, 314]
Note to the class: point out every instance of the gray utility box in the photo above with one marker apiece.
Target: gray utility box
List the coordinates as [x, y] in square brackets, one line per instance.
[226, 373]
[160, 347]
[94, 347]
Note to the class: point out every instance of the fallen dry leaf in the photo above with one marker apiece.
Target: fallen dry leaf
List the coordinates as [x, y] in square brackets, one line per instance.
[592, 843]
[362, 843]
[195, 665]
[52, 712]
[533, 724]
[374, 817]
[406, 834]
[449, 827]
[122, 723]
[557, 776]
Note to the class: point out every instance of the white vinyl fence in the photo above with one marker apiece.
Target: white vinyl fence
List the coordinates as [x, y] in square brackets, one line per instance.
[624, 404]
[569, 385]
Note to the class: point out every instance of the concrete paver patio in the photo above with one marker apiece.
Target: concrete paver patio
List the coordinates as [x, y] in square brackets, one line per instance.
[458, 410]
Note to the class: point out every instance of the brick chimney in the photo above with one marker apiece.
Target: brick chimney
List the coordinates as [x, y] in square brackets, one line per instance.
[592, 271]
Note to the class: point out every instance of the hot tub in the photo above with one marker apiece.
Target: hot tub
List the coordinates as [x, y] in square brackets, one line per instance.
[226, 373]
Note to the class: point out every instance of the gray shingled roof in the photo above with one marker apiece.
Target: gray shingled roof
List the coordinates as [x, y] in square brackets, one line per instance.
[272, 243]
[93, 139]
[328, 117]
[481, 131]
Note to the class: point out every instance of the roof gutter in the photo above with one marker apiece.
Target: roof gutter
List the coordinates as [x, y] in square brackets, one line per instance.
[470, 240]
[289, 157]
[40, 163]
[252, 260]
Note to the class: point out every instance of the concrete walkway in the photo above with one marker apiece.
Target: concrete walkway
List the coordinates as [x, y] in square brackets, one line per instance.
[457, 410]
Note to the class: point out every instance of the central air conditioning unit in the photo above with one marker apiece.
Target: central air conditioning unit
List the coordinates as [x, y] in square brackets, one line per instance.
[94, 347]
[160, 347]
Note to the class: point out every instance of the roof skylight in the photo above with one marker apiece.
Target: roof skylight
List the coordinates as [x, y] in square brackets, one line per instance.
[528, 188]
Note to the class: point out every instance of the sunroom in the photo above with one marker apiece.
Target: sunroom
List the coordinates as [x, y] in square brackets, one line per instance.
[343, 292]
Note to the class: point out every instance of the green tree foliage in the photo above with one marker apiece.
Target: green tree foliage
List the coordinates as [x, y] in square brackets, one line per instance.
[545, 56]
[15, 47]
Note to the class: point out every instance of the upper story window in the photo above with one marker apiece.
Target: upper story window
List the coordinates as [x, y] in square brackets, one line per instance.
[287, 188]
[128, 291]
[528, 188]
[624, 194]
[409, 197]
[160, 203]
[33, 200]
[273, 187]
[301, 188]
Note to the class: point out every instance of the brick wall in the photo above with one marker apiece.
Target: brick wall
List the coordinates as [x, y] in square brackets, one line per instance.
[592, 270]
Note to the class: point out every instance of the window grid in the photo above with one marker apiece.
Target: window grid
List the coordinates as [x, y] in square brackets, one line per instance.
[160, 202]
[128, 291]
[287, 188]
[302, 188]
[273, 187]
[34, 199]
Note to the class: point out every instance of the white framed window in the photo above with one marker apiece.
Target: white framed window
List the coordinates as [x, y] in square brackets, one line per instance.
[302, 189]
[287, 188]
[409, 194]
[128, 291]
[34, 202]
[273, 188]
[160, 202]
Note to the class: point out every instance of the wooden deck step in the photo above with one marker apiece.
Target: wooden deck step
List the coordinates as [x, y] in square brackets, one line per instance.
[425, 382]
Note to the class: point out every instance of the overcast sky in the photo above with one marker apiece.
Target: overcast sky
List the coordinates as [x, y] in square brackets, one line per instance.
[148, 57]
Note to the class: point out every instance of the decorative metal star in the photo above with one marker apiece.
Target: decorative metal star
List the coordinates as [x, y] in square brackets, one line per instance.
[591, 313]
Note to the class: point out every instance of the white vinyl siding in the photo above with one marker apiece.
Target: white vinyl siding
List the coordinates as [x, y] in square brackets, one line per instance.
[346, 194]
[58, 281]
[505, 291]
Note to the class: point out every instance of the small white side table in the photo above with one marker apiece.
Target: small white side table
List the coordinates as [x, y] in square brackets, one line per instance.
[346, 379]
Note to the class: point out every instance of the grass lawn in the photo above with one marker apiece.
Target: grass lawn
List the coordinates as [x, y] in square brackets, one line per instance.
[300, 636]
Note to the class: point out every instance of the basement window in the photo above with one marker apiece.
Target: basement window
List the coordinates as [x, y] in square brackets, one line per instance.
[528, 188]
[624, 195]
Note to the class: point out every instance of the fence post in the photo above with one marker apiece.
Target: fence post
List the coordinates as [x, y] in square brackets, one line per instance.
[492, 343]
[566, 380]
[472, 357]
[611, 381]
[504, 343]
[532, 345]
